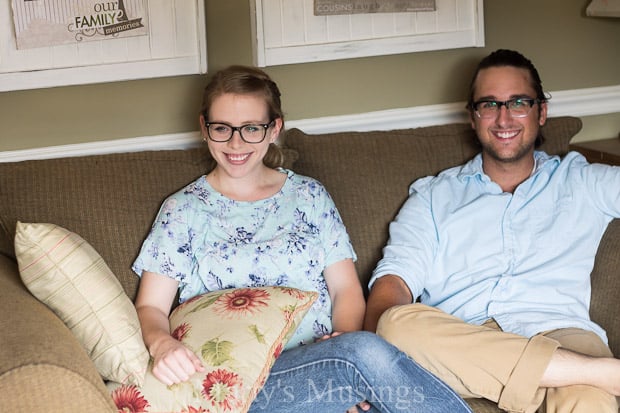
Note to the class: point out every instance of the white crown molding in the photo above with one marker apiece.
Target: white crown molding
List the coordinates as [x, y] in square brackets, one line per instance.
[578, 102]
[585, 102]
[413, 117]
[149, 143]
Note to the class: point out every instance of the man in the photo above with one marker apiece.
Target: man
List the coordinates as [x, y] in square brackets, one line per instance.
[499, 251]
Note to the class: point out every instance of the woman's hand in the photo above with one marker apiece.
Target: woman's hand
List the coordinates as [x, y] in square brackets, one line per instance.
[173, 362]
[328, 336]
[365, 406]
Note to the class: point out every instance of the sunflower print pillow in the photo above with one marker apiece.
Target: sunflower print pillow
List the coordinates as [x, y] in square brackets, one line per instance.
[238, 334]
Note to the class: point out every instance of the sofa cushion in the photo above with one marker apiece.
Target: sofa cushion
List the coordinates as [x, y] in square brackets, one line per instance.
[67, 274]
[237, 333]
[368, 173]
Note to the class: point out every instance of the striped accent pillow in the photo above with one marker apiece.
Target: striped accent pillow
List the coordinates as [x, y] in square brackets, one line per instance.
[64, 272]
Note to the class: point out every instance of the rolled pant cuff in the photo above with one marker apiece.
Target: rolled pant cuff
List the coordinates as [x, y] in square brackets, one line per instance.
[519, 393]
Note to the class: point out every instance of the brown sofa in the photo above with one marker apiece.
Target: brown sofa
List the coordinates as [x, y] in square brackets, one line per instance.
[111, 200]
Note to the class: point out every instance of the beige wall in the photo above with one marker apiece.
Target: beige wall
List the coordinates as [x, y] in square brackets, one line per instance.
[570, 50]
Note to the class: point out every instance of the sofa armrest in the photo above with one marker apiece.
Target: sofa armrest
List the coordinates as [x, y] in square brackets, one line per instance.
[43, 368]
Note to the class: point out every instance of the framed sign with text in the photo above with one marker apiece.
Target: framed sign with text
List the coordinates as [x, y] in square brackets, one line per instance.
[41, 23]
[299, 31]
[76, 42]
[336, 7]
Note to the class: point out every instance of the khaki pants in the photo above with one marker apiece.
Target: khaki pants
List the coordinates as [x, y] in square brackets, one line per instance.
[483, 361]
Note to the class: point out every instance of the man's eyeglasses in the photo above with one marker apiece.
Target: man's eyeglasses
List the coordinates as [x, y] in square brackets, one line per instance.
[223, 132]
[517, 107]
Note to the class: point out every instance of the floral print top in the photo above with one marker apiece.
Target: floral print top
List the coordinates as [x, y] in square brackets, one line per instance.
[209, 242]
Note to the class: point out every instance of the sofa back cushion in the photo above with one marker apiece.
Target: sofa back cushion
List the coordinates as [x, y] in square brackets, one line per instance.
[109, 200]
[368, 173]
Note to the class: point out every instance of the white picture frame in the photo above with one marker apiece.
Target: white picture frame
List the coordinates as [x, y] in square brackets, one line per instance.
[287, 32]
[175, 45]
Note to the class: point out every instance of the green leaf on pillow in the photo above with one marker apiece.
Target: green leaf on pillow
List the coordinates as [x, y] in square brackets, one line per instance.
[289, 310]
[216, 352]
[260, 337]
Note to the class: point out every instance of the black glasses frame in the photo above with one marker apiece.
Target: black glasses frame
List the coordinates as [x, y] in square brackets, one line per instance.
[239, 129]
[530, 101]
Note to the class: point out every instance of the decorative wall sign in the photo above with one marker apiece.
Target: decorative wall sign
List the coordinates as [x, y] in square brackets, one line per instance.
[334, 7]
[288, 32]
[40, 23]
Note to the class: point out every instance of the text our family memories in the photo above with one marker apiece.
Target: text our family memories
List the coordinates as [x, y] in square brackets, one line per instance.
[42, 23]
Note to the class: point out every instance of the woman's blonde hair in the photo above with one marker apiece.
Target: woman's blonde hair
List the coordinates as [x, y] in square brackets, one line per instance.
[246, 80]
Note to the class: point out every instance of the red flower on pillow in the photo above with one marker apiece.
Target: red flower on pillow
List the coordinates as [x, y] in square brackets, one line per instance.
[222, 387]
[128, 399]
[181, 331]
[242, 301]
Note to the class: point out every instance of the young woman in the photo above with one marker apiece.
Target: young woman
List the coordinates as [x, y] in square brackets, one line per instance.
[250, 223]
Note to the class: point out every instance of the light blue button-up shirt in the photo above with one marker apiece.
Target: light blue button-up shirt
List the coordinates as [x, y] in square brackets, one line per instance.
[463, 245]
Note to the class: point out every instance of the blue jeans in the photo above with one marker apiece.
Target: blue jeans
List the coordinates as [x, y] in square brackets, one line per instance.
[336, 374]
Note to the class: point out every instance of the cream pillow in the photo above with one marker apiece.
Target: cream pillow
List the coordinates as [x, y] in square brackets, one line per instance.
[64, 272]
[238, 334]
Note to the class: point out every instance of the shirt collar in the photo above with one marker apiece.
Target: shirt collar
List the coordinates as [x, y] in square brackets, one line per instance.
[473, 168]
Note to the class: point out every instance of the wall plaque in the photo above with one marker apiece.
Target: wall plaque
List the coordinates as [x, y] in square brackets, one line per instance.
[335, 7]
[40, 23]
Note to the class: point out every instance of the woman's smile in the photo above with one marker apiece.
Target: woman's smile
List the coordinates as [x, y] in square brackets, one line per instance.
[237, 158]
